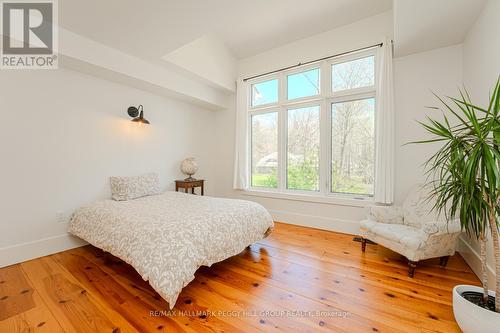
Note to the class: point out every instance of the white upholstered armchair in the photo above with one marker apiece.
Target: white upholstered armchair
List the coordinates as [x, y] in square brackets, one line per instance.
[412, 230]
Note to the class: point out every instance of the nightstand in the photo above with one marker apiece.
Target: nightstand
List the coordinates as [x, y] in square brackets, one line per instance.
[190, 184]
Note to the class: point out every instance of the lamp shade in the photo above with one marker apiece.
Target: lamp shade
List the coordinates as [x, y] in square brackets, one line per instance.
[141, 119]
[189, 167]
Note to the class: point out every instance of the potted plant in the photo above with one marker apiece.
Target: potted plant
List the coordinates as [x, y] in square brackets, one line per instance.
[464, 180]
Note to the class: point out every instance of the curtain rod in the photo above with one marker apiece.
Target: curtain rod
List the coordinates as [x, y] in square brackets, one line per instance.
[312, 61]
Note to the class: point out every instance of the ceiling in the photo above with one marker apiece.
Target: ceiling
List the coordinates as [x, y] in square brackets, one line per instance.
[150, 29]
[428, 24]
[198, 40]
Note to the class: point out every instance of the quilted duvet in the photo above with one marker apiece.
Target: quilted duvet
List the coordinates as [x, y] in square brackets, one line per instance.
[167, 237]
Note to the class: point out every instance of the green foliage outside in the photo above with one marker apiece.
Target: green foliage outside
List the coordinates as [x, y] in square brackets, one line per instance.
[304, 176]
[352, 184]
[269, 180]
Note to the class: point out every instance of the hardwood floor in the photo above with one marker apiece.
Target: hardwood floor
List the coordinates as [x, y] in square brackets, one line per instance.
[323, 274]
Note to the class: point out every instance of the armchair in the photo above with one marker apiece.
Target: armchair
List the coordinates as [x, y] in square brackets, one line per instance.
[413, 230]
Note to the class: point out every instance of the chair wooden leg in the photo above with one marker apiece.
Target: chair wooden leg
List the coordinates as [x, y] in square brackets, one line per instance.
[443, 261]
[363, 244]
[411, 268]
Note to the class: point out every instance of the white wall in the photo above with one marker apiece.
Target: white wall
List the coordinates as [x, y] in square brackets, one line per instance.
[482, 52]
[88, 56]
[327, 216]
[64, 133]
[415, 76]
[426, 25]
[481, 67]
[363, 33]
[208, 59]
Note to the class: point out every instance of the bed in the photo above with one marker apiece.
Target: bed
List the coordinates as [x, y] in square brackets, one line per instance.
[167, 237]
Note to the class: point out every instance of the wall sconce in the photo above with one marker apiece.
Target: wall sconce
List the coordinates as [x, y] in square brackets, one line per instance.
[138, 114]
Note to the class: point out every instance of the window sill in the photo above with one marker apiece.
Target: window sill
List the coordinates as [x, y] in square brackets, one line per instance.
[333, 200]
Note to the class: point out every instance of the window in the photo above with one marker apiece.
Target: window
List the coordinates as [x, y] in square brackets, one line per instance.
[313, 129]
[265, 150]
[265, 92]
[303, 84]
[352, 146]
[353, 74]
[303, 149]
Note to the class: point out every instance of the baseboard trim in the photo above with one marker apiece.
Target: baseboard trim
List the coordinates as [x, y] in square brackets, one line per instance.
[318, 222]
[473, 259]
[14, 254]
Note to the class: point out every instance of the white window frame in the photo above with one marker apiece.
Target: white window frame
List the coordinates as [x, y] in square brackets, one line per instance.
[325, 98]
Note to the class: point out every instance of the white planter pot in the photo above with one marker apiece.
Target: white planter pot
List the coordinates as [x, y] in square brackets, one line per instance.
[472, 318]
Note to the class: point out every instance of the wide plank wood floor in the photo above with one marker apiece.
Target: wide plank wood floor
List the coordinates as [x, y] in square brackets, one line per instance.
[297, 280]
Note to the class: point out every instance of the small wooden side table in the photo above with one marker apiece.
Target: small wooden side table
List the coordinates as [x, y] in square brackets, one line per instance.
[190, 184]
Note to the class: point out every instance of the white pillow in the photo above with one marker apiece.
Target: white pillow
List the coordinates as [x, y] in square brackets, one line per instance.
[127, 188]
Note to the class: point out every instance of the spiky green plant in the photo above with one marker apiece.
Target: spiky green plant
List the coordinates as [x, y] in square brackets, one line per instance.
[464, 172]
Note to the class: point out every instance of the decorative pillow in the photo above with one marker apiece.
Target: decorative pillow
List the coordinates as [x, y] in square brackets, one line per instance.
[127, 188]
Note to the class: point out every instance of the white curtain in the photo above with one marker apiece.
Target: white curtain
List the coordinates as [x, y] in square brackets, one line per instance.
[241, 143]
[384, 141]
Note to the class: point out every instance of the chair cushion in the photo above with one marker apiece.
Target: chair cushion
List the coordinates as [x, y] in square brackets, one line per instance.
[406, 235]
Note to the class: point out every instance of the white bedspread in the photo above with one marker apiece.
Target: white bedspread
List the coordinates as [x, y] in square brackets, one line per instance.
[167, 237]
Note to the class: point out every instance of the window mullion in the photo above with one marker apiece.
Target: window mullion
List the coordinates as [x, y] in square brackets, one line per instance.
[323, 159]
